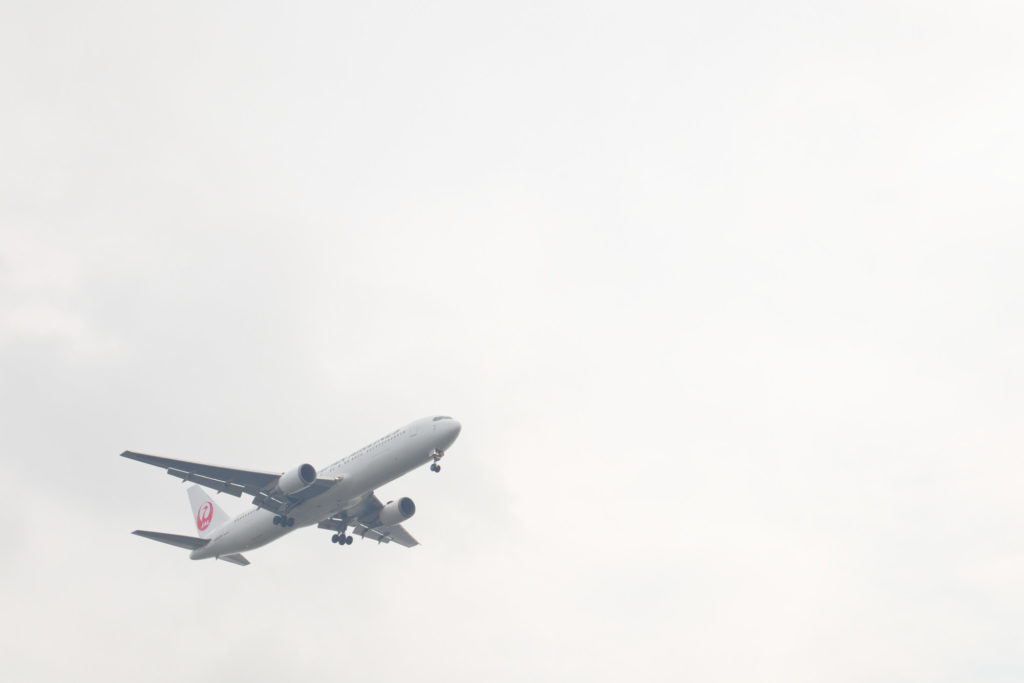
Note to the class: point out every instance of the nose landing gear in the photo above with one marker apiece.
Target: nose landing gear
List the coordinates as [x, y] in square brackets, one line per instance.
[436, 455]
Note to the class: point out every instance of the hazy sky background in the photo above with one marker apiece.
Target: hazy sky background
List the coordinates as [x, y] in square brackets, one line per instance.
[727, 297]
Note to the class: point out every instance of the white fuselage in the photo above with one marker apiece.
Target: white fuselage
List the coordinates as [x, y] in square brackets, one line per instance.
[358, 474]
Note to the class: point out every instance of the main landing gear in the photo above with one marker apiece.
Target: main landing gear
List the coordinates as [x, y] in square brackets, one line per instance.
[342, 539]
[436, 455]
[284, 521]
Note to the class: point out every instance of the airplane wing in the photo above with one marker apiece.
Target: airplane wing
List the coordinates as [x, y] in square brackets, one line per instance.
[260, 485]
[363, 517]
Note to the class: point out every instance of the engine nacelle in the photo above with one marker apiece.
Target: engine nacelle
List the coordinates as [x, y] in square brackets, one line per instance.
[298, 479]
[397, 511]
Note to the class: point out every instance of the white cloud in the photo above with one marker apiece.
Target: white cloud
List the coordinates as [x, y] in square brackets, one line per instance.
[725, 297]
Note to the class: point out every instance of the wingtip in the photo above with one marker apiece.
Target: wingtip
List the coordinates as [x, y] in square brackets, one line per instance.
[133, 455]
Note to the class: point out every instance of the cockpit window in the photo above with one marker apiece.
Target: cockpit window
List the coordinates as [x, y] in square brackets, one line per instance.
[441, 417]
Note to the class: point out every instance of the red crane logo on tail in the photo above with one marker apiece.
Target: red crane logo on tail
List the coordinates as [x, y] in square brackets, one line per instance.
[204, 516]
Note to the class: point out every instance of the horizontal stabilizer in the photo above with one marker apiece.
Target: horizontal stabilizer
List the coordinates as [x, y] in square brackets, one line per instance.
[186, 542]
[234, 559]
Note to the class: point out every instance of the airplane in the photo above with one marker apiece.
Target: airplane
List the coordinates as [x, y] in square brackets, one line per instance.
[335, 498]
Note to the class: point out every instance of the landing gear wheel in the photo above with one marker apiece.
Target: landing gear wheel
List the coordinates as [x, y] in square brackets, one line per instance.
[348, 541]
[334, 538]
[291, 521]
[435, 467]
[277, 519]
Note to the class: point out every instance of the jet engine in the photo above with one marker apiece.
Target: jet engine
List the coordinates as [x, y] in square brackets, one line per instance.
[298, 479]
[397, 511]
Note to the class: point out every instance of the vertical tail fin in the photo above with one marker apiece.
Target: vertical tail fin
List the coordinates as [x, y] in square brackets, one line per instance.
[206, 515]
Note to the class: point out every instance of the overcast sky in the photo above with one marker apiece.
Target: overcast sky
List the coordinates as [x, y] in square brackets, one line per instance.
[727, 297]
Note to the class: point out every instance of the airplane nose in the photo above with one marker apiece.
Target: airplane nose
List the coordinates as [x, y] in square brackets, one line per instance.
[451, 431]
